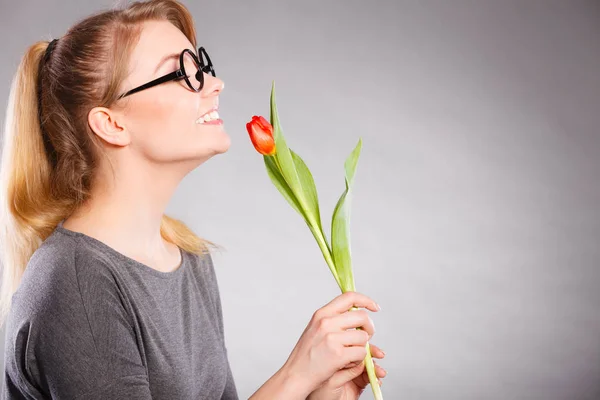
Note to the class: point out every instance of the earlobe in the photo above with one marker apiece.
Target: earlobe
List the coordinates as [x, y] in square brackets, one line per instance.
[105, 123]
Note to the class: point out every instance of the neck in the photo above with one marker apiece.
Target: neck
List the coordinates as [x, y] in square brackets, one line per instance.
[125, 210]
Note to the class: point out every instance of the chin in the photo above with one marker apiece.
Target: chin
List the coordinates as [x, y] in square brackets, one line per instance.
[223, 144]
[209, 146]
[214, 149]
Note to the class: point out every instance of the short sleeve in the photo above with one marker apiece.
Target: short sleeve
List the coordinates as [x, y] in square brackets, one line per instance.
[77, 342]
[230, 392]
[215, 295]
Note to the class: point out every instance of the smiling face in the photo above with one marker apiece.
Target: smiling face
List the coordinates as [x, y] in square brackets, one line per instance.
[161, 123]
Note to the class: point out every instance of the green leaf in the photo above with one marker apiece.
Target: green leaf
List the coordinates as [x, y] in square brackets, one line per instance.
[300, 183]
[281, 184]
[283, 156]
[340, 225]
[309, 189]
[296, 173]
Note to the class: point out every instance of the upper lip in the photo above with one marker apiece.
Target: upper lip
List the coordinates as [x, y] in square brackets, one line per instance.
[215, 108]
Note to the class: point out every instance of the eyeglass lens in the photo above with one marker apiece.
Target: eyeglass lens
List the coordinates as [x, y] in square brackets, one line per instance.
[194, 71]
[205, 62]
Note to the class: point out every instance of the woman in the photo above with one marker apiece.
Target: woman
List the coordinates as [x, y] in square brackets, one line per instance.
[112, 299]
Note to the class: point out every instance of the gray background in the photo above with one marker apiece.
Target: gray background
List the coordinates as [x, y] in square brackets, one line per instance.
[475, 220]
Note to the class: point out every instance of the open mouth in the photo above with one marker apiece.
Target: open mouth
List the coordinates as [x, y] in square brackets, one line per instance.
[210, 116]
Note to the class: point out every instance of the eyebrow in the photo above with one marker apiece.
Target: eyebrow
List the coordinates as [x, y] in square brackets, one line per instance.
[166, 58]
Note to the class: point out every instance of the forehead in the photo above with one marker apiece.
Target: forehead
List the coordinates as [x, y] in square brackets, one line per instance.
[157, 39]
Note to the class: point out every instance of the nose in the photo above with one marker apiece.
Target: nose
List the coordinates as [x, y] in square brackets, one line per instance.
[212, 85]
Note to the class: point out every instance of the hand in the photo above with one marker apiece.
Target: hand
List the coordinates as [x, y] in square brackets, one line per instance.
[329, 343]
[350, 384]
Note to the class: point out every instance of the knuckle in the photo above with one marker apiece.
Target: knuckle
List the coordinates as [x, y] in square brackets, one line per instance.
[365, 336]
[361, 296]
[348, 296]
[324, 324]
[360, 338]
[362, 317]
[371, 323]
[330, 341]
[318, 314]
[363, 352]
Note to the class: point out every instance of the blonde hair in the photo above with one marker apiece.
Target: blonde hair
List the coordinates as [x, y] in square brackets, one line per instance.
[43, 183]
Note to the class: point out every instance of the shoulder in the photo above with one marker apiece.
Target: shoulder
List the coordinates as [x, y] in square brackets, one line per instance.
[204, 272]
[62, 283]
[67, 293]
[66, 319]
[57, 273]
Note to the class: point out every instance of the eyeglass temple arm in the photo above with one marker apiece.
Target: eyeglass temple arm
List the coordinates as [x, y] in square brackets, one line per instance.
[157, 81]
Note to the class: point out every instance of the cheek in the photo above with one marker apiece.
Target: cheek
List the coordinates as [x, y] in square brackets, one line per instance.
[161, 121]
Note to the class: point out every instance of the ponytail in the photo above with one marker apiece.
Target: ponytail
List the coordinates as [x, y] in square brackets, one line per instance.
[26, 217]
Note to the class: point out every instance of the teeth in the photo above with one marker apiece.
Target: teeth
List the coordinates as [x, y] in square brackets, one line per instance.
[211, 116]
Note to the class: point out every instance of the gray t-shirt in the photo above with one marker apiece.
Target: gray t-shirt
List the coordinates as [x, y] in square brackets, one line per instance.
[88, 322]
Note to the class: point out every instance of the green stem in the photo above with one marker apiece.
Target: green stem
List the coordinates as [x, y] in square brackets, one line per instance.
[372, 375]
[324, 246]
[326, 250]
[370, 367]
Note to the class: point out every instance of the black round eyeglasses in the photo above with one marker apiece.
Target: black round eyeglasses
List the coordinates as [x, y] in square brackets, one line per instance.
[191, 68]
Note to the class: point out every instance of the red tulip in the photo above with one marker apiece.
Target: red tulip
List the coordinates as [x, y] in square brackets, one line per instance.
[261, 135]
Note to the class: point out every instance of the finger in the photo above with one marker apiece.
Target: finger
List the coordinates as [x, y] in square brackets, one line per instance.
[346, 301]
[356, 319]
[363, 381]
[341, 377]
[353, 353]
[353, 338]
[380, 372]
[351, 365]
[376, 352]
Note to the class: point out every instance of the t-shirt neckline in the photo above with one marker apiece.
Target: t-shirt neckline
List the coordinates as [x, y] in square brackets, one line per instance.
[105, 247]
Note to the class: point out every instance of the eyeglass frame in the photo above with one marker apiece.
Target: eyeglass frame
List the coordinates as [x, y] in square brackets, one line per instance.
[179, 73]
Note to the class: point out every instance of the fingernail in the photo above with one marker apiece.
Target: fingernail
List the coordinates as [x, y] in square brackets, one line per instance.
[378, 307]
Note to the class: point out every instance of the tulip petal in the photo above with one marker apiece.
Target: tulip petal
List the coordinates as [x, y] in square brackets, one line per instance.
[262, 138]
[340, 225]
[264, 124]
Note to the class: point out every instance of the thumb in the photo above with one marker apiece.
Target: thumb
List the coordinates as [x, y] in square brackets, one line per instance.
[347, 374]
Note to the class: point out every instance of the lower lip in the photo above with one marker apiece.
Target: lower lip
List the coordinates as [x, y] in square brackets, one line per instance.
[215, 122]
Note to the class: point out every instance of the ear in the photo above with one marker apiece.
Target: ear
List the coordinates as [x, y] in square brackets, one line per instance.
[107, 124]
